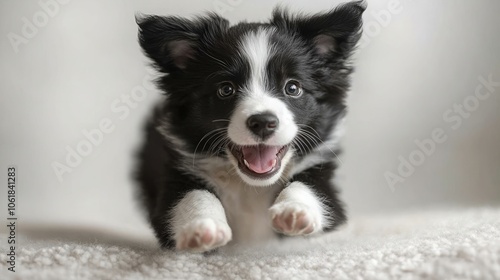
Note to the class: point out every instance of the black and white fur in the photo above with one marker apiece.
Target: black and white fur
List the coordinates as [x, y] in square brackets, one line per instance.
[244, 145]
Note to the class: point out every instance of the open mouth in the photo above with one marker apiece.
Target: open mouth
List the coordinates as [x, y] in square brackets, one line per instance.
[259, 161]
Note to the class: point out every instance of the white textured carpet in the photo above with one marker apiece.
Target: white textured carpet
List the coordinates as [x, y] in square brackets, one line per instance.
[459, 244]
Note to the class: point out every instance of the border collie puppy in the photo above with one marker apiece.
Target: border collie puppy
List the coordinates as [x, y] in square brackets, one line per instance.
[244, 146]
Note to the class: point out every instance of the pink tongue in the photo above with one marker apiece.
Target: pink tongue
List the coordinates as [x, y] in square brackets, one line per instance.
[260, 158]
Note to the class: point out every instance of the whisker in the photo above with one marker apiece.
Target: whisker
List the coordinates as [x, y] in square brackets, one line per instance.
[215, 74]
[220, 62]
[212, 149]
[218, 145]
[317, 136]
[314, 130]
[221, 120]
[309, 139]
[215, 131]
[216, 135]
[299, 145]
[312, 143]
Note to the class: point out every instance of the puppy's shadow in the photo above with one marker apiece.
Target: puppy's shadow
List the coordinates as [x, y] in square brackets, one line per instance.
[40, 235]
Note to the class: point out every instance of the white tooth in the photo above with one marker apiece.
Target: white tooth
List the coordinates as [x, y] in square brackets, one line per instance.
[274, 162]
[246, 163]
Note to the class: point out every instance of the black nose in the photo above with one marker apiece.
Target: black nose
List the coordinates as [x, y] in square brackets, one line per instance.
[263, 125]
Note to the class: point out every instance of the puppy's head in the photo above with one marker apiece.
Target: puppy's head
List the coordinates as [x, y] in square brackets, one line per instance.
[261, 94]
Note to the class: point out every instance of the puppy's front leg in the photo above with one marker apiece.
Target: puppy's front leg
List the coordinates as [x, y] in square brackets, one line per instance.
[309, 204]
[199, 222]
[298, 211]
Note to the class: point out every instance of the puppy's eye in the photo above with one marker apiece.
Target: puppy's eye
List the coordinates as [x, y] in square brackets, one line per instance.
[293, 88]
[226, 89]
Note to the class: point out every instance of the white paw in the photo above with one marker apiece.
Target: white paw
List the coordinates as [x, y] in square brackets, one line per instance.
[294, 218]
[203, 235]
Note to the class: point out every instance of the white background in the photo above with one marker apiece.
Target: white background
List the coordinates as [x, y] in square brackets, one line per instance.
[413, 68]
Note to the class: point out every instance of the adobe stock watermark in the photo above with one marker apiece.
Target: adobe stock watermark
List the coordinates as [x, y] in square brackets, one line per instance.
[382, 19]
[453, 118]
[121, 108]
[223, 6]
[31, 26]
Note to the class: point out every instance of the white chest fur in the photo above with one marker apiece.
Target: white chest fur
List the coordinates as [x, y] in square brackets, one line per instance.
[246, 207]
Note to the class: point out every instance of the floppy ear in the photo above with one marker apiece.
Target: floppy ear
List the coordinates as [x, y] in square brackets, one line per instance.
[335, 32]
[173, 42]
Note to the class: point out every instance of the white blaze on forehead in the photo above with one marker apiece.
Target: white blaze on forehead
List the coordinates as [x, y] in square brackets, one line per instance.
[256, 48]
